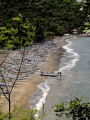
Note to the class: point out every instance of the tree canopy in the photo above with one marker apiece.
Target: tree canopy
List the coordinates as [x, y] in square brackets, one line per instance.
[18, 32]
[50, 17]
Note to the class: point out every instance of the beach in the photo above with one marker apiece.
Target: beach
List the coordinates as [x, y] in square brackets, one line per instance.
[21, 93]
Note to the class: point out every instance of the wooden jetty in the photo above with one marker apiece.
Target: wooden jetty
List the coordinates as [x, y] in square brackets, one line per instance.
[51, 74]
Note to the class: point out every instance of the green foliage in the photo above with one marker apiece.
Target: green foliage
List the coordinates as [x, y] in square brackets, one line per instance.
[76, 108]
[23, 115]
[87, 27]
[55, 16]
[18, 18]
[19, 33]
[26, 31]
[87, 24]
[61, 30]
[27, 115]
[48, 34]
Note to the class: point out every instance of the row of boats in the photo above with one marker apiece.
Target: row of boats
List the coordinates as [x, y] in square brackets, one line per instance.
[34, 55]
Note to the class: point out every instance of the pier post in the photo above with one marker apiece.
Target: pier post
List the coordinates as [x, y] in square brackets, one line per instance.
[60, 75]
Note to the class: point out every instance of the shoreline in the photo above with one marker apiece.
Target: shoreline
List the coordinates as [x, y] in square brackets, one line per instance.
[23, 92]
[52, 64]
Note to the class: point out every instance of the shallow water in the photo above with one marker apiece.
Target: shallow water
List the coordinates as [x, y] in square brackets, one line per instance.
[75, 81]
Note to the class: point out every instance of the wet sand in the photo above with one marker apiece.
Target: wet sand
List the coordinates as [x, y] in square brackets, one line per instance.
[21, 93]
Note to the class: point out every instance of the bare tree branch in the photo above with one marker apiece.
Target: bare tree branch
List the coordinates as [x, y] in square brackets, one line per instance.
[3, 79]
[5, 58]
[22, 58]
[4, 93]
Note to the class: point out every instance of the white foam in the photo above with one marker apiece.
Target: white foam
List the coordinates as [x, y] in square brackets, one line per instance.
[45, 88]
[72, 62]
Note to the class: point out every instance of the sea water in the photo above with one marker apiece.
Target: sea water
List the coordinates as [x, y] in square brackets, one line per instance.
[75, 80]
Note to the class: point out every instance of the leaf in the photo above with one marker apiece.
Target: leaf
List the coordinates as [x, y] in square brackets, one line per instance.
[2, 28]
[16, 19]
[87, 24]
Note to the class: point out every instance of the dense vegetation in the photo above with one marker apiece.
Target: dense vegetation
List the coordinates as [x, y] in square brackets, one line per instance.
[19, 33]
[22, 21]
[50, 17]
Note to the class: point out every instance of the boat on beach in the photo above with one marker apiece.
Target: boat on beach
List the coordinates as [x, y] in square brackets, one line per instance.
[52, 74]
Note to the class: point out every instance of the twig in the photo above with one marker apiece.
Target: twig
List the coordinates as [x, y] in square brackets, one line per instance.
[18, 70]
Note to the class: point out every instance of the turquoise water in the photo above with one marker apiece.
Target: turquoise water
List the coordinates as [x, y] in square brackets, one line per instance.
[75, 81]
